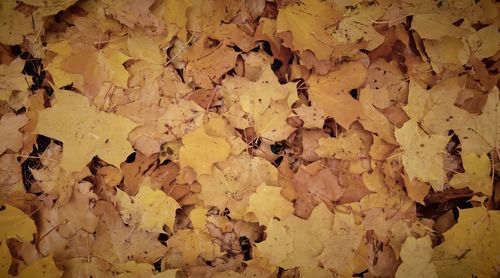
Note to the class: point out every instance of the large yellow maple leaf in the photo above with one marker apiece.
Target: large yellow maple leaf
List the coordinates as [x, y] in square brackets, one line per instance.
[85, 131]
[294, 242]
[267, 203]
[231, 186]
[150, 209]
[476, 175]
[15, 224]
[470, 248]
[423, 155]
[307, 21]
[330, 93]
[416, 255]
[200, 151]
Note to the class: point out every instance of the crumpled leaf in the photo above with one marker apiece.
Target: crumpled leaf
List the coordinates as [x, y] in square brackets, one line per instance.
[15, 224]
[85, 131]
[423, 155]
[150, 209]
[416, 255]
[470, 247]
[267, 203]
[11, 138]
[330, 93]
[476, 175]
[200, 151]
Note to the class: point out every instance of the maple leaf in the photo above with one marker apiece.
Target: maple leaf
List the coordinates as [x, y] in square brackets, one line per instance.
[330, 93]
[470, 246]
[311, 116]
[477, 174]
[416, 255]
[263, 104]
[422, 154]
[267, 203]
[307, 21]
[200, 151]
[135, 12]
[203, 65]
[294, 242]
[118, 242]
[85, 131]
[341, 243]
[484, 42]
[191, 244]
[149, 209]
[348, 146]
[15, 224]
[230, 186]
[481, 134]
[14, 25]
[435, 109]
[11, 138]
[97, 67]
[356, 25]
[11, 78]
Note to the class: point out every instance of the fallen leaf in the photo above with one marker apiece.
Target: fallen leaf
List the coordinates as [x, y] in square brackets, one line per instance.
[476, 175]
[150, 209]
[200, 151]
[267, 203]
[416, 255]
[330, 93]
[84, 131]
[15, 224]
[423, 155]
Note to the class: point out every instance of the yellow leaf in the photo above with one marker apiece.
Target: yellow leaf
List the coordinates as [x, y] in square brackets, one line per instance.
[149, 209]
[97, 67]
[436, 26]
[481, 134]
[44, 267]
[191, 244]
[60, 76]
[470, 248]
[200, 151]
[294, 242]
[231, 186]
[330, 93]
[348, 146]
[14, 25]
[357, 26]
[311, 116]
[278, 243]
[267, 203]
[423, 155]
[15, 224]
[11, 138]
[484, 43]
[416, 255]
[341, 244]
[11, 78]
[307, 21]
[477, 174]
[5, 259]
[85, 131]
[50, 7]
[142, 46]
